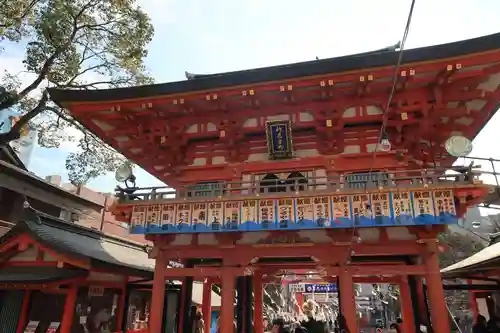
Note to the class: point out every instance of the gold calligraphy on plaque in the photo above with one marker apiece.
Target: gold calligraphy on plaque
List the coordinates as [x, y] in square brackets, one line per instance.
[279, 138]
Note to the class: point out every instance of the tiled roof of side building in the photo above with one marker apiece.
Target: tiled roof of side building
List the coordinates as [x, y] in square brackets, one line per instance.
[82, 242]
[285, 72]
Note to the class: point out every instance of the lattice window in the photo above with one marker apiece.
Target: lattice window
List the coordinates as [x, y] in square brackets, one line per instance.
[366, 179]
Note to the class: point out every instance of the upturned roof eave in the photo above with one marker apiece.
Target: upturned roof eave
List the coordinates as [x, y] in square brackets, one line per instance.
[283, 72]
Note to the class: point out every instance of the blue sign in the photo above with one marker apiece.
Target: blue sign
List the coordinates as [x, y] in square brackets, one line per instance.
[321, 288]
[279, 139]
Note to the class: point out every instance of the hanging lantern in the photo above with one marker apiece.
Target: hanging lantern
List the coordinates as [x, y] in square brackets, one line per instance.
[458, 146]
[384, 144]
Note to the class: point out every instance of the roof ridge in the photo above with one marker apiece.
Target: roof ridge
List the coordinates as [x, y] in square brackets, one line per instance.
[246, 77]
[89, 232]
[390, 49]
[13, 155]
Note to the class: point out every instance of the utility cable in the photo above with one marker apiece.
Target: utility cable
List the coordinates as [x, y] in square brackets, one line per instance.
[382, 133]
[394, 84]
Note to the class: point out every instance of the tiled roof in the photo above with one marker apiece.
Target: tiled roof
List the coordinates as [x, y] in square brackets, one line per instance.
[386, 57]
[484, 260]
[82, 242]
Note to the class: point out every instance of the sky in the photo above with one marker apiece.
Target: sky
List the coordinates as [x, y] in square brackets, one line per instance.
[206, 37]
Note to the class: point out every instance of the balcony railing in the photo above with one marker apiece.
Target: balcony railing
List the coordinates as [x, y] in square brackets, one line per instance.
[345, 183]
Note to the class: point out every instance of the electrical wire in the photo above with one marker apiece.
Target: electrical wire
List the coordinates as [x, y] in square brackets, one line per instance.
[394, 83]
[382, 132]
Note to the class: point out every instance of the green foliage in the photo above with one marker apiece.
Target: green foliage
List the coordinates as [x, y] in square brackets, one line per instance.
[17, 18]
[78, 163]
[78, 44]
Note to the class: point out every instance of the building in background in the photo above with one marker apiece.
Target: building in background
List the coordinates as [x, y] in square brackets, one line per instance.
[26, 144]
[99, 220]
[475, 225]
[19, 187]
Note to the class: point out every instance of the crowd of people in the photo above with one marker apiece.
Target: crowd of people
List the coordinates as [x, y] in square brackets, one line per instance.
[486, 326]
[309, 322]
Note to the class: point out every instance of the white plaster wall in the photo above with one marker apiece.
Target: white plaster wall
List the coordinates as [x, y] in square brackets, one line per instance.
[278, 117]
[28, 255]
[352, 149]
[372, 110]
[218, 160]
[307, 153]
[482, 308]
[370, 148]
[305, 116]
[192, 129]
[258, 157]
[199, 161]
[251, 122]
[349, 113]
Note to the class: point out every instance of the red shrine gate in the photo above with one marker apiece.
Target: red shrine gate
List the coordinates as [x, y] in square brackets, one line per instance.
[277, 169]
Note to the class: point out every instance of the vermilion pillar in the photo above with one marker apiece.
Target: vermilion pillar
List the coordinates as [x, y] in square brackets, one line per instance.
[348, 302]
[158, 296]
[207, 304]
[227, 306]
[121, 308]
[473, 301]
[69, 310]
[300, 301]
[258, 320]
[435, 293]
[421, 301]
[406, 306]
[23, 317]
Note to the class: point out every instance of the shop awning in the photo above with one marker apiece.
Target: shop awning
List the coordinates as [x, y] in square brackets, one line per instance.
[483, 261]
